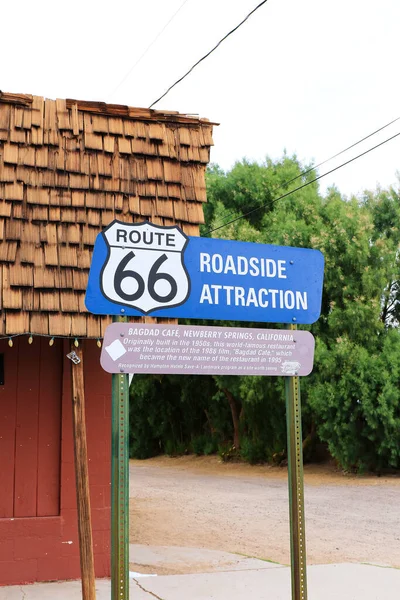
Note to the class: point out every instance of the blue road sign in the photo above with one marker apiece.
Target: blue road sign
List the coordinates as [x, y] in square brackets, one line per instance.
[143, 269]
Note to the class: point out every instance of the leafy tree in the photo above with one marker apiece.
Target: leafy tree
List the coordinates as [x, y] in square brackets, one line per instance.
[351, 397]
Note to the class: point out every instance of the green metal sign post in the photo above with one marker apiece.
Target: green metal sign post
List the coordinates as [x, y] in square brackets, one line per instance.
[120, 486]
[296, 487]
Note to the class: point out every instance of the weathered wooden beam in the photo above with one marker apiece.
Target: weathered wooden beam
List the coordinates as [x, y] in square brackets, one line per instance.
[82, 478]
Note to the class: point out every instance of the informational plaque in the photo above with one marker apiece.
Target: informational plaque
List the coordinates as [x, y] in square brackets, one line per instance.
[195, 350]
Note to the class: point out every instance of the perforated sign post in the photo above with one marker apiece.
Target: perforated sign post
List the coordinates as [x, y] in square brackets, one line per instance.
[141, 269]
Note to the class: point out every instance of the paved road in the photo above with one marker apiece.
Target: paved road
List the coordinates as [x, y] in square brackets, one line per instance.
[245, 510]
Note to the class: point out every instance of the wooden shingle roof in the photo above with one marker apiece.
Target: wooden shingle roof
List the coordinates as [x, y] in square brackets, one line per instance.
[67, 169]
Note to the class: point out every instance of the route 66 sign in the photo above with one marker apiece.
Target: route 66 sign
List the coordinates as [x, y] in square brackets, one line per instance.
[140, 269]
[144, 268]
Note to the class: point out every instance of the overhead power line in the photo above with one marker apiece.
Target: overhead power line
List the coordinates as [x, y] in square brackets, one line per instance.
[314, 167]
[159, 34]
[300, 187]
[208, 53]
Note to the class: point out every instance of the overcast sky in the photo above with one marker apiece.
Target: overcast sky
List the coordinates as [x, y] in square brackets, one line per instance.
[308, 76]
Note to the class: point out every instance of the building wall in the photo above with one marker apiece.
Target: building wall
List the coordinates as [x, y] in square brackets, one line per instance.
[35, 403]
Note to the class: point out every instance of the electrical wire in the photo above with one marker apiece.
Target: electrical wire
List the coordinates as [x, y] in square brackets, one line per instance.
[268, 204]
[159, 34]
[314, 167]
[208, 53]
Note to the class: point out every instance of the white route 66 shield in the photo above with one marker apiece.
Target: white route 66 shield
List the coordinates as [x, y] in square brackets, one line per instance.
[144, 268]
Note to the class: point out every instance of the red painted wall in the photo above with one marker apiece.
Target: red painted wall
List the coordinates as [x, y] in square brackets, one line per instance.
[37, 473]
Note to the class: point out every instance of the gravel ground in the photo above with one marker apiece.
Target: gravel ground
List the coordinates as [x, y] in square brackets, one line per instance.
[202, 503]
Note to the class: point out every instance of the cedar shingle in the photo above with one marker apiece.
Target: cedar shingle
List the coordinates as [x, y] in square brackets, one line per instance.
[69, 302]
[44, 278]
[80, 279]
[156, 131]
[66, 279]
[7, 173]
[16, 135]
[37, 136]
[79, 181]
[93, 324]
[40, 213]
[78, 198]
[73, 234]
[18, 211]
[42, 157]
[27, 253]
[109, 144]
[129, 128]
[165, 208]
[30, 300]
[11, 297]
[37, 111]
[73, 162]
[78, 325]
[5, 113]
[184, 136]
[37, 196]
[10, 154]
[21, 276]
[180, 211]
[17, 323]
[50, 123]
[51, 254]
[60, 324]
[99, 124]
[50, 301]
[93, 141]
[106, 217]
[172, 171]
[14, 191]
[115, 126]
[68, 256]
[18, 117]
[5, 209]
[39, 323]
[190, 229]
[155, 169]
[194, 212]
[124, 146]
[62, 115]
[68, 215]
[8, 252]
[13, 230]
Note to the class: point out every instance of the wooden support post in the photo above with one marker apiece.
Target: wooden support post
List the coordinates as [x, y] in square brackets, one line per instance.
[82, 478]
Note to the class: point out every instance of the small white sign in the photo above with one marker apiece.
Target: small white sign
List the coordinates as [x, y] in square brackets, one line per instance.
[115, 350]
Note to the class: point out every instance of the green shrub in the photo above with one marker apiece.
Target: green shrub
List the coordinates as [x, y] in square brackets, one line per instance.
[253, 451]
[175, 448]
[198, 443]
[210, 447]
[227, 452]
[357, 405]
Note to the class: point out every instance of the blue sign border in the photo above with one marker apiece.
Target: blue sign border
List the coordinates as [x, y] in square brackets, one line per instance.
[303, 274]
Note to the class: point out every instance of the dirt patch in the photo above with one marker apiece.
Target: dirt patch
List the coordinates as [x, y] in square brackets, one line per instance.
[315, 474]
[201, 502]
